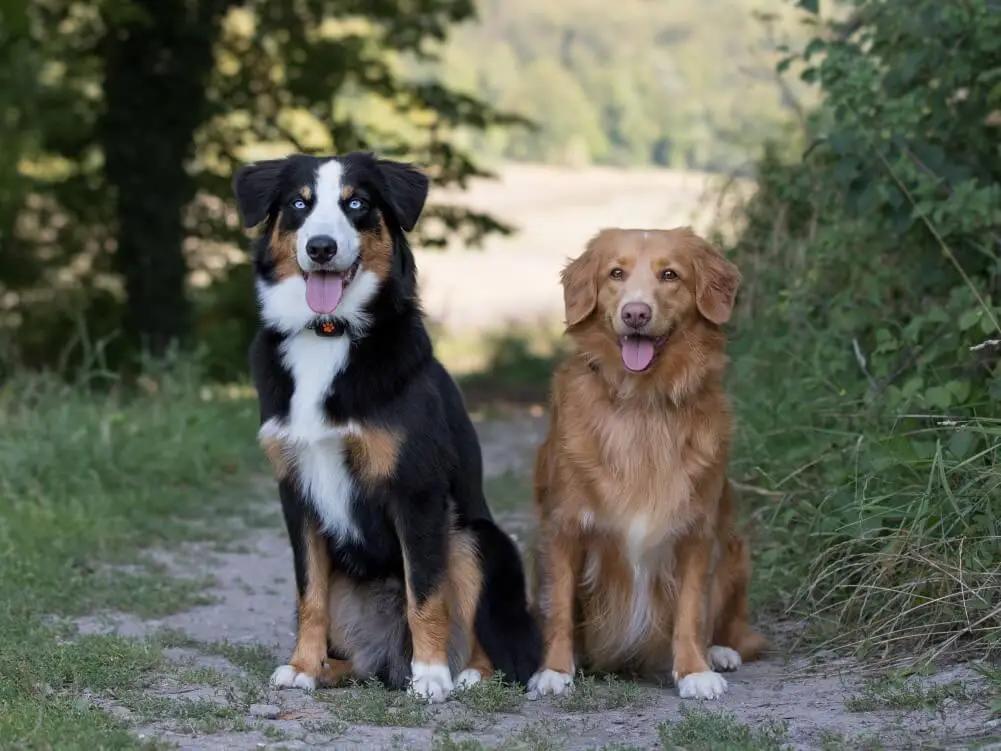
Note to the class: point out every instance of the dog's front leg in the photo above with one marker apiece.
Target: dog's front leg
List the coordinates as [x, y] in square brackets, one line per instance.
[692, 673]
[560, 558]
[312, 577]
[424, 536]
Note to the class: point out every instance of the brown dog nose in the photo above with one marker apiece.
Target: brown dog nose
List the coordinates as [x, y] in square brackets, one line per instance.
[636, 315]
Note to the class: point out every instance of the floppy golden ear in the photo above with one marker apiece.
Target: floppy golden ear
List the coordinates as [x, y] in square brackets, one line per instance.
[716, 283]
[580, 286]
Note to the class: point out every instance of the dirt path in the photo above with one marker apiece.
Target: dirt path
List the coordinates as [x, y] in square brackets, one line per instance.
[213, 694]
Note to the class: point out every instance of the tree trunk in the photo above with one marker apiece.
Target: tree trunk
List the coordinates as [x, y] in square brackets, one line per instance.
[157, 63]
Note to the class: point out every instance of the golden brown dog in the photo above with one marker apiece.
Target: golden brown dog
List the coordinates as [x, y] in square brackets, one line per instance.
[639, 566]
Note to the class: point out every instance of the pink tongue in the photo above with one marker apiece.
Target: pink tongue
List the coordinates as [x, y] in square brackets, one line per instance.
[323, 291]
[637, 352]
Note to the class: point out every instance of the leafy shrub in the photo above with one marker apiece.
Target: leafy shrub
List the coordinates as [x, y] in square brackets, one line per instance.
[866, 360]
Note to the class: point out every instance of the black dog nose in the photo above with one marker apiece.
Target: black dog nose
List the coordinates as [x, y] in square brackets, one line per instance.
[636, 315]
[321, 248]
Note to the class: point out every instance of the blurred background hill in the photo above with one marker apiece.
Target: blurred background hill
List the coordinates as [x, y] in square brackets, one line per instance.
[638, 83]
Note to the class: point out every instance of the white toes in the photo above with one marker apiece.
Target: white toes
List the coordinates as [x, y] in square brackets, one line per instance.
[468, 677]
[724, 658]
[705, 685]
[549, 682]
[286, 676]
[432, 683]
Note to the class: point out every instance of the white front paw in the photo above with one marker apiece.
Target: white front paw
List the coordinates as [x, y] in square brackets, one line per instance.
[287, 676]
[549, 682]
[468, 677]
[704, 685]
[432, 683]
[724, 658]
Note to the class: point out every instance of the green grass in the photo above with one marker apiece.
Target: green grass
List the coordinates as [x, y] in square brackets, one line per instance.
[510, 491]
[704, 730]
[492, 696]
[371, 704]
[543, 735]
[600, 694]
[894, 692]
[883, 533]
[87, 484]
[830, 741]
[992, 673]
[188, 715]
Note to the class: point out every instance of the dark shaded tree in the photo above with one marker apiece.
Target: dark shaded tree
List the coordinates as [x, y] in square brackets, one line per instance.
[146, 108]
[157, 62]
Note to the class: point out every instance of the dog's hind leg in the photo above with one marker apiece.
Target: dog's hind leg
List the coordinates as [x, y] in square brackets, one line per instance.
[734, 641]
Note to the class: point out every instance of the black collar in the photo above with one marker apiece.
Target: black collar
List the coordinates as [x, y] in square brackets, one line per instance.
[327, 327]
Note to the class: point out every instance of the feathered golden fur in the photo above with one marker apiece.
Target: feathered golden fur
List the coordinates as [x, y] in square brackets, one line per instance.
[639, 565]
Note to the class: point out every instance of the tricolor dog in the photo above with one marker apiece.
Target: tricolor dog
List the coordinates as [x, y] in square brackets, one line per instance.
[401, 572]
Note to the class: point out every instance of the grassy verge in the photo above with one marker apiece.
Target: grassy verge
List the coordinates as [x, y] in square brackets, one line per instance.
[899, 692]
[881, 531]
[705, 730]
[87, 483]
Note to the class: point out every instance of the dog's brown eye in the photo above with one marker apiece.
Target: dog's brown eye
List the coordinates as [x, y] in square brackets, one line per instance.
[617, 273]
[668, 275]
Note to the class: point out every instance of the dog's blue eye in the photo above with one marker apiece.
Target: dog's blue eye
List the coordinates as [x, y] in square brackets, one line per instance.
[355, 204]
[298, 204]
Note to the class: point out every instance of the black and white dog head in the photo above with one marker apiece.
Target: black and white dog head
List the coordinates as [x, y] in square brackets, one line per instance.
[329, 228]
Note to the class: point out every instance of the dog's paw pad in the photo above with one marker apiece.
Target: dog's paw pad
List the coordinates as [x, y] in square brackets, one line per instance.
[433, 683]
[468, 677]
[287, 676]
[724, 658]
[704, 685]
[549, 682]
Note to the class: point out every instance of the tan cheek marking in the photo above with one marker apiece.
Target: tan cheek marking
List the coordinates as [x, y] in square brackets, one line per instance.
[377, 251]
[283, 252]
[373, 453]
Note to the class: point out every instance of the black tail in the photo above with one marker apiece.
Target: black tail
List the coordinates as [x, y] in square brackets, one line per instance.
[505, 628]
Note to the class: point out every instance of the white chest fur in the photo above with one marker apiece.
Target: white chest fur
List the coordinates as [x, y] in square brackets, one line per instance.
[313, 446]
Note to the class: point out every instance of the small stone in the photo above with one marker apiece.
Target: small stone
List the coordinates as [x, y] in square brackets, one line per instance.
[267, 711]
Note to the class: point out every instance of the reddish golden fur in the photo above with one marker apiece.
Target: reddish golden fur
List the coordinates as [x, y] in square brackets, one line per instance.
[630, 483]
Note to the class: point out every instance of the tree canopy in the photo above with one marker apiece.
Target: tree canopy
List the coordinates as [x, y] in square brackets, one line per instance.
[127, 119]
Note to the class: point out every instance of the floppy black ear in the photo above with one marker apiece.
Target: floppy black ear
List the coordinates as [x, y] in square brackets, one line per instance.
[406, 190]
[256, 188]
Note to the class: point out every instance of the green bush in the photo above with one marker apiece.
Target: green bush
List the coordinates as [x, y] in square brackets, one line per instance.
[866, 359]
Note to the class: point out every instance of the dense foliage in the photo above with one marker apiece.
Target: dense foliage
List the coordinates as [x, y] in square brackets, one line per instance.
[867, 361]
[122, 122]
